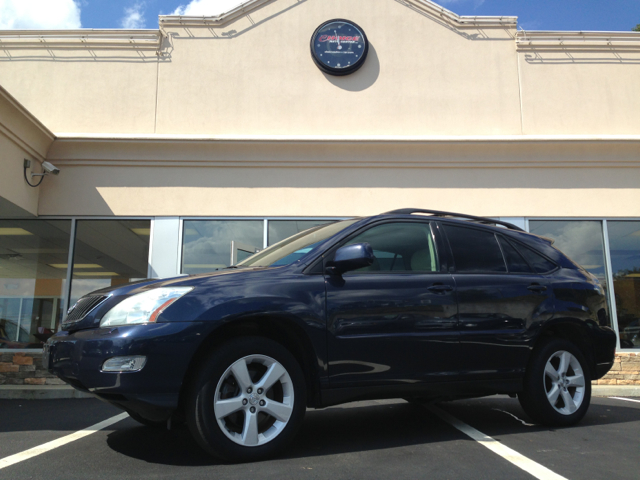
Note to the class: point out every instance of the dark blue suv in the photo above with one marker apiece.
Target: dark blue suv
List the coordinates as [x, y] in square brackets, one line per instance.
[415, 304]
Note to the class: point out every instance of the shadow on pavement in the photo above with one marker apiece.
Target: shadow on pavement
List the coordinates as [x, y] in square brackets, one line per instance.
[362, 428]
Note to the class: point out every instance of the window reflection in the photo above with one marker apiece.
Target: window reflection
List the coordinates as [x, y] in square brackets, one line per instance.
[109, 253]
[581, 241]
[33, 258]
[624, 242]
[209, 245]
[281, 229]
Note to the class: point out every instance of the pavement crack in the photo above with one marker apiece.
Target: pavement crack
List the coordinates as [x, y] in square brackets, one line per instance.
[519, 419]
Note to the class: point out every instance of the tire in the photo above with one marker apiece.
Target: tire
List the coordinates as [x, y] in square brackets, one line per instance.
[145, 422]
[557, 384]
[228, 411]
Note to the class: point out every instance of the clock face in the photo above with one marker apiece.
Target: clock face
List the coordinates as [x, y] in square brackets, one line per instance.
[339, 47]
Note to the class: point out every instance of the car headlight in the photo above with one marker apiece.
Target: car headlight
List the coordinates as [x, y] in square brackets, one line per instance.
[143, 307]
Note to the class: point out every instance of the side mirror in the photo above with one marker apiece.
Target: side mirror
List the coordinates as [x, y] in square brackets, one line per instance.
[351, 257]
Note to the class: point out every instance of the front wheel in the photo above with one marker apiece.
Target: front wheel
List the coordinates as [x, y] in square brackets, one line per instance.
[248, 400]
[557, 386]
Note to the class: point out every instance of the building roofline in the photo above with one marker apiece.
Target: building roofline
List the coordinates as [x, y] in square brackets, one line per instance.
[578, 40]
[95, 38]
[118, 137]
[427, 5]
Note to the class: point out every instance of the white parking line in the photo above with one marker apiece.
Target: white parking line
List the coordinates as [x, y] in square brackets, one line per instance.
[45, 447]
[519, 460]
[626, 399]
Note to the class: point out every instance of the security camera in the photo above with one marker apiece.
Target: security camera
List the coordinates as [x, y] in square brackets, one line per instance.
[50, 168]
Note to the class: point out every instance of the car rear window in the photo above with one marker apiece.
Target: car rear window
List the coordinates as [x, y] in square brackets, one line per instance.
[539, 263]
[515, 262]
[474, 250]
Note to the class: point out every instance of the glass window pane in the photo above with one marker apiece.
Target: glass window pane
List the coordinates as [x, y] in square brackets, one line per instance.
[109, 253]
[33, 271]
[474, 251]
[399, 247]
[281, 229]
[581, 241]
[624, 241]
[515, 262]
[207, 244]
[537, 261]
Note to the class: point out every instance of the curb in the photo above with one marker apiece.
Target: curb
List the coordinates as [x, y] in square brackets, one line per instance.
[40, 392]
[615, 390]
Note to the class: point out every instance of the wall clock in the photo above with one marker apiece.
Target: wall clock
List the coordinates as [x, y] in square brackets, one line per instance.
[339, 47]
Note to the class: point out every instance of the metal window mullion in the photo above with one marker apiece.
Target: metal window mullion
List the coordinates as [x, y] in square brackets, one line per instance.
[265, 236]
[180, 246]
[152, 223]
[67, 287]
[611, 290]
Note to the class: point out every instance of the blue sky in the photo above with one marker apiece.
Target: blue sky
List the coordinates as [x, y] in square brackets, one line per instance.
[533, 14]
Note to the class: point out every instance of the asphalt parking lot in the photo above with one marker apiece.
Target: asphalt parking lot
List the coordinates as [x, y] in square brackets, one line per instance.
[378, 439]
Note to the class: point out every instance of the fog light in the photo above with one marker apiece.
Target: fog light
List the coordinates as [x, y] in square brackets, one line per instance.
[124, 364]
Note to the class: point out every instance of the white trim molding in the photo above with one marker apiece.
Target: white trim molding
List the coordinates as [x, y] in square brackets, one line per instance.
[427, 6]
[93, 38]
[529, 40]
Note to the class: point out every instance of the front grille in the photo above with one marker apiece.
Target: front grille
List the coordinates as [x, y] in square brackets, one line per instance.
[83, 307]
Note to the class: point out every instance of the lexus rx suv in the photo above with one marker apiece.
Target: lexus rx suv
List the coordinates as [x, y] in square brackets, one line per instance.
[413, 304]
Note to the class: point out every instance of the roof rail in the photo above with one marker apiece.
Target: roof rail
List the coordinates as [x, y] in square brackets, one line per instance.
[437, 213]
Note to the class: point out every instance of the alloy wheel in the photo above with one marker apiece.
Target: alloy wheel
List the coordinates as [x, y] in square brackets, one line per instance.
[564, 382]
[254, 400]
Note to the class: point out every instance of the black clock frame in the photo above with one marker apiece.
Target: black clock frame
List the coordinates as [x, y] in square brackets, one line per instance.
[340, 71]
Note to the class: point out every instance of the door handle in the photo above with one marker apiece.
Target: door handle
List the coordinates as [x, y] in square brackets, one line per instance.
[536, 287]
[440, 288]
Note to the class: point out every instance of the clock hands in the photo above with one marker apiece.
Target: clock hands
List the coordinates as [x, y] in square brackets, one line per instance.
[338, 38]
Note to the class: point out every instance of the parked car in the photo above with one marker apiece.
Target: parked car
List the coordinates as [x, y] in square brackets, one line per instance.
[413, 304]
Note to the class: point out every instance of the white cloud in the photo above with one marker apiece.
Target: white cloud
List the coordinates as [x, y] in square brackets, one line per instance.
[207, 8]
[39, 14]
[133, 16]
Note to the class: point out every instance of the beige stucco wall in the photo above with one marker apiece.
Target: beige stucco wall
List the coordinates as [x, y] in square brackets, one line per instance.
[463, 111]
[580, 92]
[255, 76]
[21, 137]
[421, 76]
[282, 178]
[74, 87]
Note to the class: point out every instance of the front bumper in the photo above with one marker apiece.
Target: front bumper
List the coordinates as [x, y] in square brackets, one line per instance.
[154, 391]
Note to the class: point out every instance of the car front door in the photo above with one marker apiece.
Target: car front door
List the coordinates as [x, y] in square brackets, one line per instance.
[394, 321]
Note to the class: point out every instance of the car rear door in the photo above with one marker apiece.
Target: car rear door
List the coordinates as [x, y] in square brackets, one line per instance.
[500, 299]
[395, 321]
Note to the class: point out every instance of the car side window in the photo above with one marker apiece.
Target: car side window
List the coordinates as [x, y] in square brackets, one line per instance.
[515, 262]
[474, 250]
[539, 263]
[399, 247]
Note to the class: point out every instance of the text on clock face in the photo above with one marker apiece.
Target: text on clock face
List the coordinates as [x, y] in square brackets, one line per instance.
[334, 38]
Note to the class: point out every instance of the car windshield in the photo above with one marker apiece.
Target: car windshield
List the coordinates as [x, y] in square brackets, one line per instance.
[294, 248]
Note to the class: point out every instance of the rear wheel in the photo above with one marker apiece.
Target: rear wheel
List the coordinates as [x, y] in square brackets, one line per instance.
[557, 387]
[248, 400]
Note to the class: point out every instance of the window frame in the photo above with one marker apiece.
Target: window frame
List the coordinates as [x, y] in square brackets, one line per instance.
[328, 255]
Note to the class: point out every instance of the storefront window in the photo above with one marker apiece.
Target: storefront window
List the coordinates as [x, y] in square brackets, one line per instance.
[281, 229]
[624, 242]
[209, 245]
[109, 253]
[582, 241]
[33, 258]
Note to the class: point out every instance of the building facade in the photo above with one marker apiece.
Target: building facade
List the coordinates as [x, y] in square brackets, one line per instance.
[185, 148]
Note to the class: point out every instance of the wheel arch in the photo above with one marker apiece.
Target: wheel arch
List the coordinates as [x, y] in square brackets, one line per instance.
[573, 330]
[280, 329]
